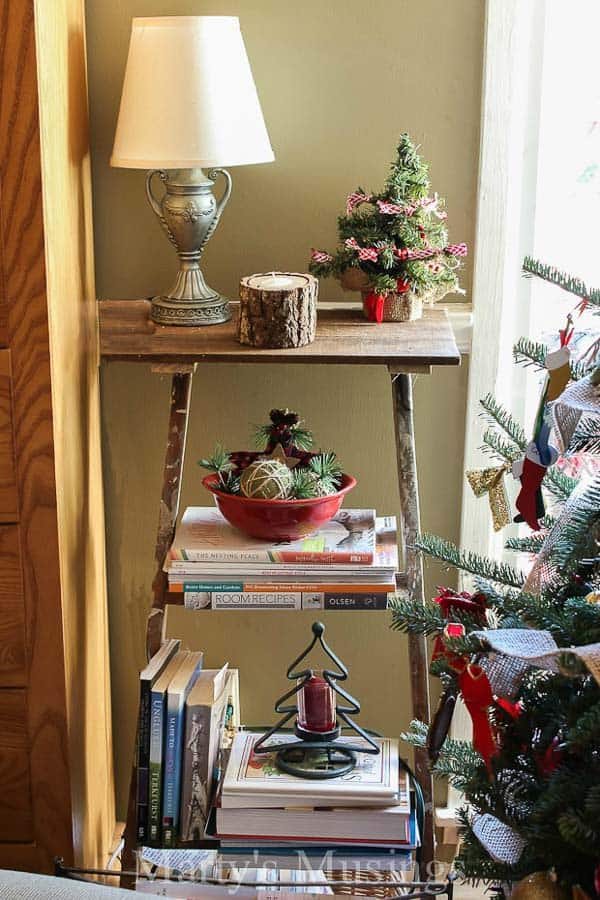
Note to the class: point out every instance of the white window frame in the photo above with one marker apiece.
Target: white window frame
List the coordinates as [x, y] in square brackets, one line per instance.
[511, 96]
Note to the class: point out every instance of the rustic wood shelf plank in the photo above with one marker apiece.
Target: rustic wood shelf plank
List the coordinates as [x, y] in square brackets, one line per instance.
[344, 337]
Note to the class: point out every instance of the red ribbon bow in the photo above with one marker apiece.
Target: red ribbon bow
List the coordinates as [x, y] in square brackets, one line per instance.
[478, 697]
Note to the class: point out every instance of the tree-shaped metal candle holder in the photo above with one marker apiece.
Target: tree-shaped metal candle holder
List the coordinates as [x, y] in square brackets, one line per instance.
[318, 752]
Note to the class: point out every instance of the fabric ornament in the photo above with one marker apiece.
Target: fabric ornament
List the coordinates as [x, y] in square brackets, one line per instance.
[351, 243]
[530, 502]
[266, 479]
[355, 199]
[477, 696]
[559, 372]
[374, 304]
[320, 256]
[503, 843]
[491, 482]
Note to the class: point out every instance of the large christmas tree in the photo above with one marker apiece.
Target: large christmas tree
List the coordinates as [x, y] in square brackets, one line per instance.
[523, 649]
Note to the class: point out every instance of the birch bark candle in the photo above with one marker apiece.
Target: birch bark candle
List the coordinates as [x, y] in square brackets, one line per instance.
[278, 309]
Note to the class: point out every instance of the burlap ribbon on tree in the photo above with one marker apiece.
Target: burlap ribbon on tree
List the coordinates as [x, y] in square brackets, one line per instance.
[543, 569]
[538, 648]
[580, 399]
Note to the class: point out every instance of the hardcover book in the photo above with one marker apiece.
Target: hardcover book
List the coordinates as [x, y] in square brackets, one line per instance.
[177, 693]
[387, 824]
[203, 535]
[253, 780]
[148, 677]
[158, 696]
[205, 713]
[199, 579]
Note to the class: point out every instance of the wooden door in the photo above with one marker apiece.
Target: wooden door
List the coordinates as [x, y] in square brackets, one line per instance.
[55, 795]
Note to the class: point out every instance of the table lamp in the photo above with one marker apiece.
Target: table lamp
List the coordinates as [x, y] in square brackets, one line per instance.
[189, 103]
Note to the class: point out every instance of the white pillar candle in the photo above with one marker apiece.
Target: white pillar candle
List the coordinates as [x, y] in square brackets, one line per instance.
[277, 281]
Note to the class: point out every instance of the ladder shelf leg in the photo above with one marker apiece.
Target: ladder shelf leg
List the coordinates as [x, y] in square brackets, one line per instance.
[181, 392]
[402, 396]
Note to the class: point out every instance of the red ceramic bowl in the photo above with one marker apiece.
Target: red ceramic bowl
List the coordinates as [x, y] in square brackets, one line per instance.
[277, 520]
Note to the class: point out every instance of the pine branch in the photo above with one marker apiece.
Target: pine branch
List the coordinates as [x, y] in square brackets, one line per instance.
[467, 561]
[500, 447]
[558, 483]
[531, 543]
[503, 419]
[586, 438]
[577, 539]
[533, 353]
[586, 729]
[530, 353]
[412, 617]
[562, 279]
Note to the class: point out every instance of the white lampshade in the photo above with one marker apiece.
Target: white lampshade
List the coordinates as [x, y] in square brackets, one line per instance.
[189, 99]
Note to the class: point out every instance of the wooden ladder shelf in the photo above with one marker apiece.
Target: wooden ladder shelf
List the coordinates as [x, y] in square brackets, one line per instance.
[343, 338]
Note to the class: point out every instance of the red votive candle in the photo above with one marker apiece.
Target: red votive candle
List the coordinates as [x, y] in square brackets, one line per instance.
[316, 705]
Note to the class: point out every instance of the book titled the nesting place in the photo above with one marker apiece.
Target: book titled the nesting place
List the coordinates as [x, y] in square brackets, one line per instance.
[351, 564]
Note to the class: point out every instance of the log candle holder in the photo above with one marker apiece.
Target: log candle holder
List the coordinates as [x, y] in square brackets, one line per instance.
[278, 309]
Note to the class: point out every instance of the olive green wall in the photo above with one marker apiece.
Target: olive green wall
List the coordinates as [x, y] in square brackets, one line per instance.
[338, 82]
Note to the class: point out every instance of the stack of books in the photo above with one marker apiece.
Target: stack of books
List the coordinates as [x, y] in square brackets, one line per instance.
[184, 713]
[351, 563]
[261, 810]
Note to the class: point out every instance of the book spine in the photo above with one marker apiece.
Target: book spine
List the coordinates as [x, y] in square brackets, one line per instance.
[251, 600]
[172, 770]
[346, 601]
[195, 786]
[143, 761]
[277, 587]
[272, 556]
[157, 708]
[290, 600]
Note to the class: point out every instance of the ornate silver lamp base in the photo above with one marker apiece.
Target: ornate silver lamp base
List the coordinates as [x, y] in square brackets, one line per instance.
[189, 214]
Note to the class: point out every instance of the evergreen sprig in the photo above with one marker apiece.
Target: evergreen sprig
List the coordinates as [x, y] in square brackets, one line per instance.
[500, 416]
[304, 484]
[567, 282]
[467, 561]
[326, 467]
[530, 543]
[586, 438]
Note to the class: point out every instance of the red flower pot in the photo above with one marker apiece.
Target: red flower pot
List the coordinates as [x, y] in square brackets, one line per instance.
[277, 520]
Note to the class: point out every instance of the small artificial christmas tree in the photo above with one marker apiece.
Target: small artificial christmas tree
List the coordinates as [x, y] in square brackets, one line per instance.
[394, 242]
[523, 652]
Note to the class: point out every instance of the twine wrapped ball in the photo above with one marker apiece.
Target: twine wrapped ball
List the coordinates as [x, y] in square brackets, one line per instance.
[266, 479]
